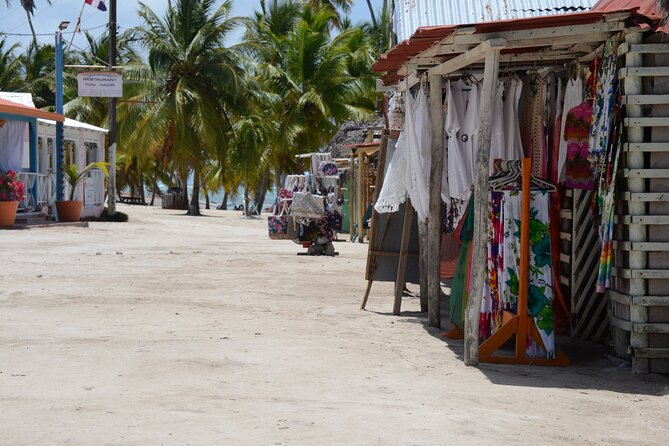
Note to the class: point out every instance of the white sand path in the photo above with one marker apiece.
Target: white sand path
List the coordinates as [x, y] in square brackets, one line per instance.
[201, 331]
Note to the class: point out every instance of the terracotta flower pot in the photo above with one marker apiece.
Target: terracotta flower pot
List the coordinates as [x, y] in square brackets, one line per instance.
[69, 211]
[8, 212]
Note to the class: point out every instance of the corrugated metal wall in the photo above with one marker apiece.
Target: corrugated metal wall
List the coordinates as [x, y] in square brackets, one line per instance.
[412, 14]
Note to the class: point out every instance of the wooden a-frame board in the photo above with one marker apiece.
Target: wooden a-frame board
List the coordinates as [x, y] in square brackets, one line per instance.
[393, 242]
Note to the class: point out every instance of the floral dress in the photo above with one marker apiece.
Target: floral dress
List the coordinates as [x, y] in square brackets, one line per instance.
[503, 267]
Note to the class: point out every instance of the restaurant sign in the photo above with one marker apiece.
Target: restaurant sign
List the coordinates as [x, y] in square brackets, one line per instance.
[100, 84]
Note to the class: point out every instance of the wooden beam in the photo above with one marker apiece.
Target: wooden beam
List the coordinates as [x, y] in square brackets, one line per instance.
[466, 59]
[459, 62]
[551, 34]
[473, 310]
[434, 220]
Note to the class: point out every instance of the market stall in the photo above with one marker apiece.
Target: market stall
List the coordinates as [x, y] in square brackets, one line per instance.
[307, 209]
[557, 100]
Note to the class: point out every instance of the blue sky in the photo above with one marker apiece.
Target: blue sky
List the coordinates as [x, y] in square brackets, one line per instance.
[47, 18]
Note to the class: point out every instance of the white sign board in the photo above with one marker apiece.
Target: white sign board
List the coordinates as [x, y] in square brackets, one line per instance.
[100, 85]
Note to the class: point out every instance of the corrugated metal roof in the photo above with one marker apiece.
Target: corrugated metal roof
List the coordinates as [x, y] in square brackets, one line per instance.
[413, 14]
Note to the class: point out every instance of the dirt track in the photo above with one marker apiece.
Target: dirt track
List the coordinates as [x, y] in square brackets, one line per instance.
[177, 330]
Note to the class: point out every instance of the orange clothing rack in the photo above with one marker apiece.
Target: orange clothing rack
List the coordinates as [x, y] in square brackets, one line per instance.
[522, 324]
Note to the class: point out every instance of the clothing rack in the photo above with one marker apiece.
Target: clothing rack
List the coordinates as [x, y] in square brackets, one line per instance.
[521, 324]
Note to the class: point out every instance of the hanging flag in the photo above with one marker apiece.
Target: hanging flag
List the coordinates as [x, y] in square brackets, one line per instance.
[100, 4]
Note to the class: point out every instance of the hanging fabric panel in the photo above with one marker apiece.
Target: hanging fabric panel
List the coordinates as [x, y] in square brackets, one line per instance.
[11, 145]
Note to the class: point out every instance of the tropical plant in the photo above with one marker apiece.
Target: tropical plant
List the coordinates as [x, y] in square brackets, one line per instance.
[380, 30]
[338, 9]
[38, 64]
[317, 87]
[188, 88]
[306, 81]
[73, 176]
[10, 67]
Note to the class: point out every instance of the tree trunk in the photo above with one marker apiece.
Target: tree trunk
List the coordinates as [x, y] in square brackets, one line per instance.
[224, 204]
[32, 28]
[262, 191]
[194, 208]
[206, 200]
[278, 179]
[183, 184]
[246, 201]
[155, 187]
[371, 12]
[141, 185]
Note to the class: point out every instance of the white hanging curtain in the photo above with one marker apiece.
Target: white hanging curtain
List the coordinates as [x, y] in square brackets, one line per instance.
[11, 145]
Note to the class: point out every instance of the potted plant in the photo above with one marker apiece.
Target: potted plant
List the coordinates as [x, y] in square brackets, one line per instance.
[11, 193]
[70, 210]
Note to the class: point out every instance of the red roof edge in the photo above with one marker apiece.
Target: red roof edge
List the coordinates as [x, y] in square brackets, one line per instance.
[13, 108]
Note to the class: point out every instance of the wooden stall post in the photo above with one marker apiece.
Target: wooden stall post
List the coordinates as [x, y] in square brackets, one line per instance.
[638, 260]
[434, 220]
[402, 262]
[423, 264]
[360, 195]
[352, 197]
[473, 309]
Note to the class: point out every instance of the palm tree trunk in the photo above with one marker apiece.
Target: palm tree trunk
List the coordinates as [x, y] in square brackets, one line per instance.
[155, 187]
[246, 201]
[224, 204]
[194, 208]
[141, 185]
[32, 28]
[371, 12]
[262, 191]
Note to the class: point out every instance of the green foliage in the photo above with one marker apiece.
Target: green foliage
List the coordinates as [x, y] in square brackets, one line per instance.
[10, 67]
[73, 176]
[231, 115]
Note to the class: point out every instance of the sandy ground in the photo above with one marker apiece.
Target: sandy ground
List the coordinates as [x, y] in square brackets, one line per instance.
[178, 330]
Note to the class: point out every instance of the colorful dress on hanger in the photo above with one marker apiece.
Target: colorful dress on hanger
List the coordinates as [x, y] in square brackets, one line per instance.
[540, 289]
[604, 153]
[491, 308]
[578, 173]
[460, 284]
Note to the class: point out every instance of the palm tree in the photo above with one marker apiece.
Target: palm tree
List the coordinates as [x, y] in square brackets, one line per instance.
[29, 8]
[338, 8]
[189, 86]
[380, 30]
[38, 64]
[10, 67]
[247, 152]
[306, 81]
[315, 81]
